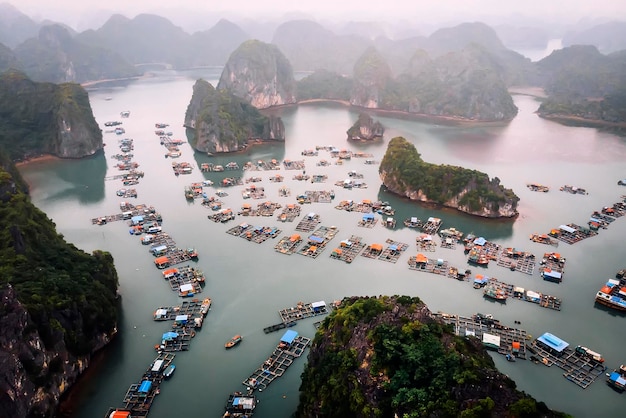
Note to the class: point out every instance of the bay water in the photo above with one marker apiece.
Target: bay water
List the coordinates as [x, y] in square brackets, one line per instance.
[250, 282]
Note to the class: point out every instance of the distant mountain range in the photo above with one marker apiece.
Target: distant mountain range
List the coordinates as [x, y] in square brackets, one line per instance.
[124, 47]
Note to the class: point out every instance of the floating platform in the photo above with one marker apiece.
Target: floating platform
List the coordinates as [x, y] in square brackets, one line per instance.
[317, 241]
[429, 265]
[572, 233]
[288, 244]
[278, 327]
[515, 292]
[302, 311]
[465, 327]
[579, 369]
[289, 213]
[514, 260]
[348, 249]
[276, 364]
[308, 223]
[391, 253]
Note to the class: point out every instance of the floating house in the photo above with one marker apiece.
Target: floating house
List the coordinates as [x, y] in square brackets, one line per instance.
[144, 388]
[288, 338]
[551, 275]
[186, 290]
[552, 343]
[162, 262]
[616, 380]
[319, 307]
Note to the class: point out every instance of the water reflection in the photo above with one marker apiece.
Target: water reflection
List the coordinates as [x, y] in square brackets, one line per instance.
[83, 180]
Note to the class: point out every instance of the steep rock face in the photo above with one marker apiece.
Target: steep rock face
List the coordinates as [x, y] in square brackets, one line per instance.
[220, 122]
[51, 119]
[371, 75]
[404, 172]
[365, 129]
[22, 353]
[259, 74]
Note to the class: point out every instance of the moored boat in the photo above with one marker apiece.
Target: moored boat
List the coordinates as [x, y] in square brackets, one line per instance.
[613, 294]
[495, 293]
[169, 371]
[233, 341]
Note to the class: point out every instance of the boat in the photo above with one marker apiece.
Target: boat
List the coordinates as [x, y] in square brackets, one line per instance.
[206, 305]
[584, 351]
[495, 293]
[169, 371]
[240, 405]
[233, 341]
[538, 187]
[413, 222]
[613, 293]
[617, 379]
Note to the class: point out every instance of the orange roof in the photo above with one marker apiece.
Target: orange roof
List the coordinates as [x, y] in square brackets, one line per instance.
[376, 247]
[161, 260]
[312, 248]
[291, 205]
[367, 201]
[338, 251]
[294, 237]
[479, 276]
[246, 206]
[515, 344]
[170, 271]
[120, 414]
[605, 289]
[421, 258]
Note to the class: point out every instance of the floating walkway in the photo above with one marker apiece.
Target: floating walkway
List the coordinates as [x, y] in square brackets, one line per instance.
[511, 341]
[579, 369]
[391, 253]
[289, 213]
[514, 260]
[308, 223]
[429, 265]
[515, 292]
[278, 362]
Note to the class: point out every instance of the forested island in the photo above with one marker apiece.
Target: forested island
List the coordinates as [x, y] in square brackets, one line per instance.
[59, 304]
[388, 356]
[403, 172]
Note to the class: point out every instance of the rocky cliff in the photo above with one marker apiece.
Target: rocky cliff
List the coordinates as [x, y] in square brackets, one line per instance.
[365, 129]
[219, 121]
[259, 74]
[51, 119]
[390, 357]
[59, 306]
[404, 172]
[371, 75]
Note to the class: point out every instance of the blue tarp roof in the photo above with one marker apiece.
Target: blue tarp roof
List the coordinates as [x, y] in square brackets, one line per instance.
[553, 342]
[616, 377]
[145, 386]
[368, 216]
[289, 336]
[136, 219]
[480, 241]
[393, 247]
[316, 239]
[169, 336]
[481, 280]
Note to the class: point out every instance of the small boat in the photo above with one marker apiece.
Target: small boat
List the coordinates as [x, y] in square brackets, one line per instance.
[233, 341]
[169, 371]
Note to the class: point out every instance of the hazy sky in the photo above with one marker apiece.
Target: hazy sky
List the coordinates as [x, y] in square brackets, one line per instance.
[419, 10]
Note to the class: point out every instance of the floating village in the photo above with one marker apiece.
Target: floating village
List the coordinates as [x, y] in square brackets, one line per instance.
[294, 231]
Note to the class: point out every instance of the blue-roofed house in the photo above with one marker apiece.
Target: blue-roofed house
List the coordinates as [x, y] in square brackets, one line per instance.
[288, 338]
[480, 241]
[552, 343]
[315, 239]
[145, 387]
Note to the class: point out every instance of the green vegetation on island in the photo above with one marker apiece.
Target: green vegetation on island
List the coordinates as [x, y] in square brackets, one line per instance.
[404, 172]
[388, 356]
[324, 84]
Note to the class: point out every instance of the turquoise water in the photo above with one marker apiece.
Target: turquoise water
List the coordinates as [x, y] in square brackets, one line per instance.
[250, 282]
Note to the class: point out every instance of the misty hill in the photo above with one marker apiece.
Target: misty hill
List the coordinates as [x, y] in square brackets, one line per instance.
[55, 56]
[463, 84]
[15, 26]
[310, 46]
[144, 39]
[214, 46]
[7, 59]
[607, 37]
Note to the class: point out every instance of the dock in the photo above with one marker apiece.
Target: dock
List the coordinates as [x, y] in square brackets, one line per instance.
[516, 292]
[317, 241]
[422, 263]
[308, 223]
[184, 277]
[139, 396]
[393, 251]
[193, 308]
[571, 233]
[288, 244]
[579, 369]
[277, 364]
[515, 260]
[477, 327]
[348, 249]
[302, 311]
[289, 213]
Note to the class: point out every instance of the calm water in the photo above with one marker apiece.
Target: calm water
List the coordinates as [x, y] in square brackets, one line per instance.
[250, 282]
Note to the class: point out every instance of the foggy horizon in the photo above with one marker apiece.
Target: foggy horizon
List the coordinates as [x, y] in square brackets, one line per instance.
[193, 15]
